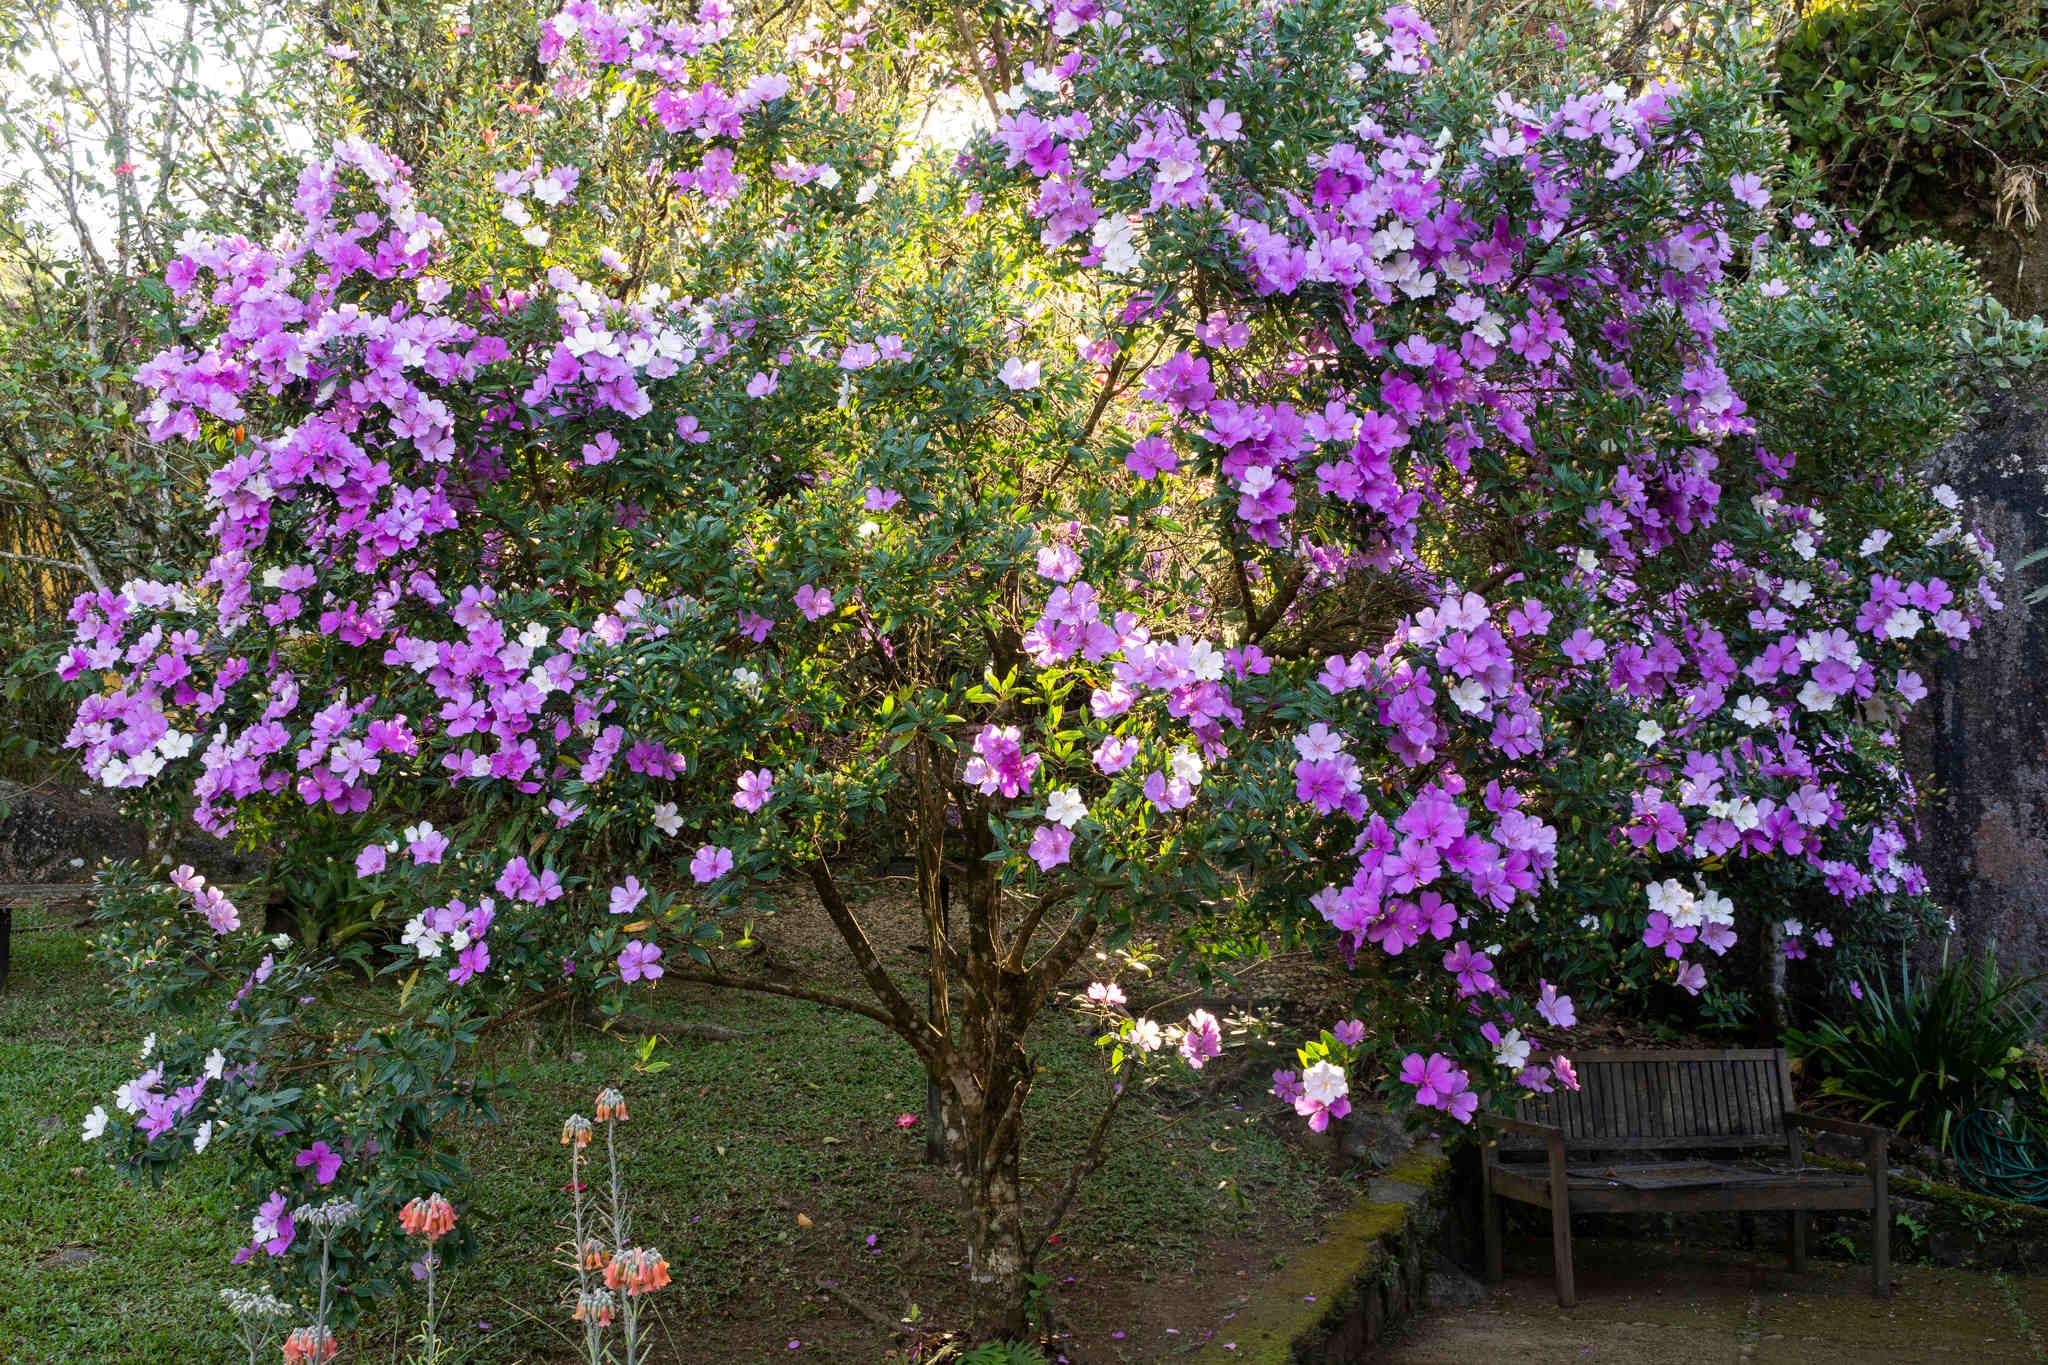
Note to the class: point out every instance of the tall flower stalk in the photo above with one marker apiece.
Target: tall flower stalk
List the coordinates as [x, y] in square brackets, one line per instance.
[430, 1219]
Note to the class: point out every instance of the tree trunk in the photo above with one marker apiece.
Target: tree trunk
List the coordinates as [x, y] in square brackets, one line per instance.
[983, 1131]
[996, 1244]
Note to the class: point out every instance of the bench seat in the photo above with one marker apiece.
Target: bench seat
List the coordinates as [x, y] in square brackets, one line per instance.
[1687, 1186]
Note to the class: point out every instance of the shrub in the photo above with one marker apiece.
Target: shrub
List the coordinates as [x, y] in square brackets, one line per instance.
[1271, 486]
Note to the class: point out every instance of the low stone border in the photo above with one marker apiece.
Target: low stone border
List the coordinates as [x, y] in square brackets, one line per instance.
[1336, 1299]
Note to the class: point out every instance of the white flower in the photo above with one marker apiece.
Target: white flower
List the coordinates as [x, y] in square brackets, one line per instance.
[1802, 545]
[1670, 897]
[1588, 561]
[1020, 375]
[1814, 697]
[828, 176]
[95, 1124]
[1187, 766]
[1325, 1083]
[748, 682]
[1796, 592]
[867, 190]
[1792, 928]
[1946, 496]
[1874, 543]
[215, 1065]
[1469, 696]
[148, 1046]
[1902, 624]
[1065, 807]
[202, 1137]
[1113, 236]
[420, 938]
[1753, 711]
[1716, 908]
[666, 820]
[1649, 732]
[1146, 1035]
[1513, 1052]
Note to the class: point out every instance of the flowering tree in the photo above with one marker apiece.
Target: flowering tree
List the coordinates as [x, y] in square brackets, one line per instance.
[1272, 482]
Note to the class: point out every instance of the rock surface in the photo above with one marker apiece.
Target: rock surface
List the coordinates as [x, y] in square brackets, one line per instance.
[1983, 748]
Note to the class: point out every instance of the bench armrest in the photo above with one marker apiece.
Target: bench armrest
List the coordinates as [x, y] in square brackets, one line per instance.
[1875, 1139]
[1800, 1118]
[1553, 1138]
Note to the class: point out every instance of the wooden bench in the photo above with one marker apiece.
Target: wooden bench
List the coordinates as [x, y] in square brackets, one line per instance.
[1675, 1132]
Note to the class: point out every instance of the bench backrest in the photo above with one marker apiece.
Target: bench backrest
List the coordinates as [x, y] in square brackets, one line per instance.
[1670, 1100]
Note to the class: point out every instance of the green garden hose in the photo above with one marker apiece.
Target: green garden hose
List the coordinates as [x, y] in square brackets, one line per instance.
[1993, 1160]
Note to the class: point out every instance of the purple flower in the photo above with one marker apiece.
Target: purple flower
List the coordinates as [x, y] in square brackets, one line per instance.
[639, 961]
[711, 863]
[325, 1161]
[813, 602]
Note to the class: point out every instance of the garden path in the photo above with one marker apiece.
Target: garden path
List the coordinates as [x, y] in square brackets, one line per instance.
[1644, 1302]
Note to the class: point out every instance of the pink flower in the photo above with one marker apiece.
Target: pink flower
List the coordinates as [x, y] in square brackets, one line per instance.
[1020, 376]
[1556, 1009]
[1203, 1039]
[711, 863]
[756, 789]
[627, 898]
[639, 962]
[906, 1120]
[1058, 563]
[1051, 845]
[1219, 123]
[370, 861]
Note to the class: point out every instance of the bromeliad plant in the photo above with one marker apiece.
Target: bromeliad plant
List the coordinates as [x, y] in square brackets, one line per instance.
[1920, 1058]
[1271, 484]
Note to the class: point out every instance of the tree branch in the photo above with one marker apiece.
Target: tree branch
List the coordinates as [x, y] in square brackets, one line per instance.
[899, 1016]
[714, 977]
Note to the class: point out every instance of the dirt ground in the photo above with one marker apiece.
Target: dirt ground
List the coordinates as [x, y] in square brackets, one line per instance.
[1643, 1302]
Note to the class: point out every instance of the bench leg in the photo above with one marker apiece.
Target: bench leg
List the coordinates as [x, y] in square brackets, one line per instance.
[1797, 1252]
[1561, 1230]
[1490, 1220]
[1881, 1245]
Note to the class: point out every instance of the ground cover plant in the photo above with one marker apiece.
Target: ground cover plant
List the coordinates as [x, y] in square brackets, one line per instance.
[1276, 480]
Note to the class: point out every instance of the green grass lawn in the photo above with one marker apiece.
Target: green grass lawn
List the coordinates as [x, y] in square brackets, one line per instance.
[727, 1147]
